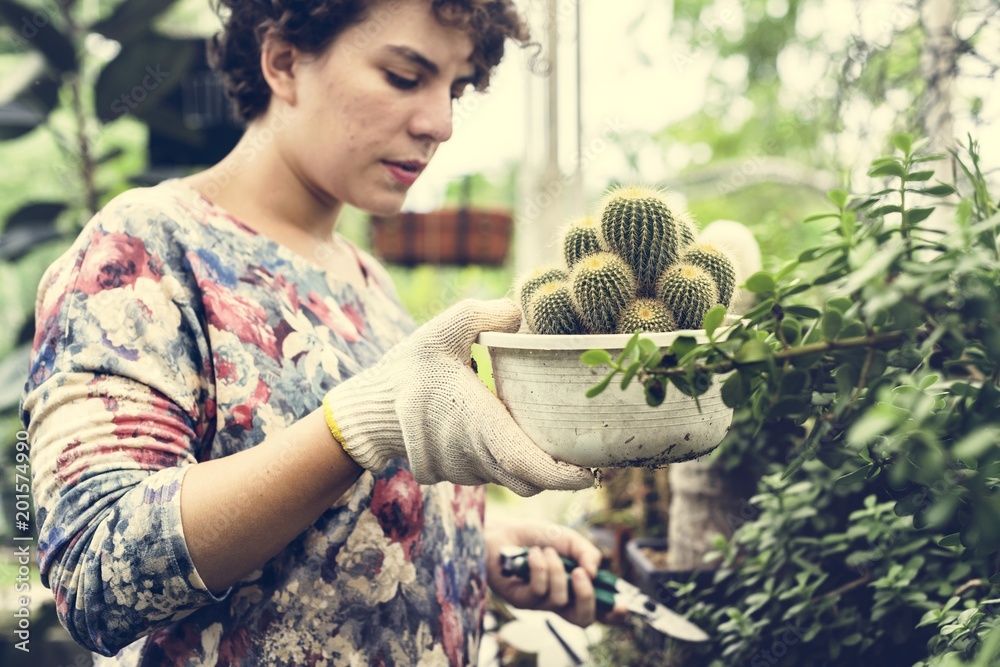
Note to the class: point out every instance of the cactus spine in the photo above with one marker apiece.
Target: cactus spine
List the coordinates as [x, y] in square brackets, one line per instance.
[637, 223]
[646, 316]
[550, 310]
[718, 265]
[580, 238]
[601, 286]
[688, 291]
[536, 279]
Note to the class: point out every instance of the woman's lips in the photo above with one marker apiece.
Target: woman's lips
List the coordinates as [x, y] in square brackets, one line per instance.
[401, 173]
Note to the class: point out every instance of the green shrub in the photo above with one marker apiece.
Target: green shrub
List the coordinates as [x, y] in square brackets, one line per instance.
[875, 534]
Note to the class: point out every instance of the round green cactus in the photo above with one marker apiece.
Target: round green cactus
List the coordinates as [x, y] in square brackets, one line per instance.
[601, 285]
[527, 285]
[638, 223]
[579, 239]
[550, 310]
[711, 258]
[646, 316]
[688, 291]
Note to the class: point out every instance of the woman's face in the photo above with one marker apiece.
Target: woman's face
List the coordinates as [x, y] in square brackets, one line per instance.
[370, 112]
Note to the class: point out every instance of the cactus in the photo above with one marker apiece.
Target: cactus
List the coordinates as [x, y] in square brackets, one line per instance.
[711, 258]
[637, 223]
[742, 248]
[535, 279]
[688, 291]
[646, 316]
[580, 238]
[550, 310]
[601, 286]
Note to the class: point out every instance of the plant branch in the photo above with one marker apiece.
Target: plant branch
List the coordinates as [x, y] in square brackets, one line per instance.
[872, 341]
[849, 586]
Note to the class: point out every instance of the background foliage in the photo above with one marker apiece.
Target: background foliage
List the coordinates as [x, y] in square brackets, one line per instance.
[875, 418]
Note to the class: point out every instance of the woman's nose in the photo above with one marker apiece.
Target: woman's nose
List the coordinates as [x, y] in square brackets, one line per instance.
[432, 118]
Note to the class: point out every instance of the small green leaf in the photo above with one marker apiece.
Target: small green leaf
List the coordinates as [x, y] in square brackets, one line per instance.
[596, 358]
[760, 283]
[753, 351]
[806, 312]
[941, 190]
[713, 318]
[786, 270]
[977, 443]
[887, 169]
[599, 387]
[920, 175]
[819, 216]
[629, 374]
[848, 223]
[915, 215]
[903, 141]
[732, 390]
[647, 348]
[928, 380]
[841, 304]
[760, 310]
[853, 477]
[629, 348]
[838, 197]
[683, 345]
[831, 323]
[875, 422]
[885, 210]
[950, 540]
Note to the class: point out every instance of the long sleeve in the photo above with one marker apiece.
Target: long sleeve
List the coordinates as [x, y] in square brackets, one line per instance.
[117, 404]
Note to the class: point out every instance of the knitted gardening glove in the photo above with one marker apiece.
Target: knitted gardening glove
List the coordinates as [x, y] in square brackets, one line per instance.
[423, 402]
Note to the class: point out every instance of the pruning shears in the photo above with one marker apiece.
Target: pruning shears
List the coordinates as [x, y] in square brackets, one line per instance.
[609, 590]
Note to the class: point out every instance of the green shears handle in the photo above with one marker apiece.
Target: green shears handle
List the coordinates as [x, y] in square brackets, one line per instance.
[514, 563]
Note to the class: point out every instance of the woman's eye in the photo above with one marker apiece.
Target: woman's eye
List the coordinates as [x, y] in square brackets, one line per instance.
[401, 82]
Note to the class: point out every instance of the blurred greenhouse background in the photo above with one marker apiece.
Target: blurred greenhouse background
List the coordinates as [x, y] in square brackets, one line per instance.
[747, 110]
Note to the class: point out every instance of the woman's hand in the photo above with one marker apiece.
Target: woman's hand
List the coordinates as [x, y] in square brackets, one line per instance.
[423, 402]
[548, 587]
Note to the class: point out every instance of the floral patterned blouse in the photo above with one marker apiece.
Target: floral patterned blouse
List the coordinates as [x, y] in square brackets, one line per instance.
[171, 333]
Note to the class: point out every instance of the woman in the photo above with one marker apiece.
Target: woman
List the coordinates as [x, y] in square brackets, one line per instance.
[197, 505]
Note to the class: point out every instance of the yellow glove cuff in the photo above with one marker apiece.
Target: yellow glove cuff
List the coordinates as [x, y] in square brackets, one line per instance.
[332, 423]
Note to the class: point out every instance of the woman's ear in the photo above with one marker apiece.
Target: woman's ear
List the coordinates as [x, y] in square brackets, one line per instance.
[277, 63]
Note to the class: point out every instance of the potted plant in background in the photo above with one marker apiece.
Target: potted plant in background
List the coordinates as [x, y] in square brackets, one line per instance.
[457, 236]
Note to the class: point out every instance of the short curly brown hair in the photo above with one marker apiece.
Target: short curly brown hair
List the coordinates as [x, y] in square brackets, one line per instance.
[312, 25]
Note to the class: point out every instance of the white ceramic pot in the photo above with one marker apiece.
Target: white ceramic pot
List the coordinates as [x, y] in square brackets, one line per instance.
[543, 383]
